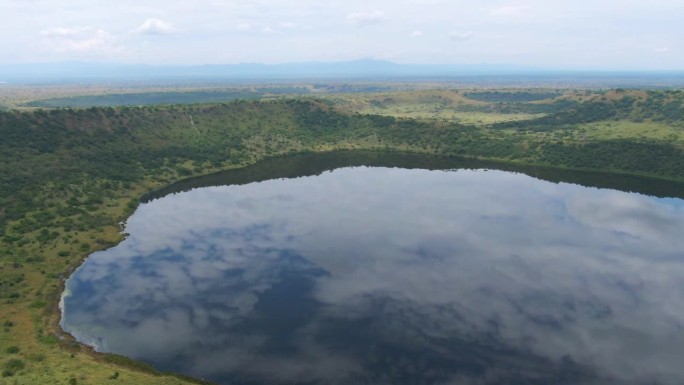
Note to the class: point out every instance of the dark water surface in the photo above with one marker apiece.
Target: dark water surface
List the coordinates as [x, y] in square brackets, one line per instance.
[381, 275]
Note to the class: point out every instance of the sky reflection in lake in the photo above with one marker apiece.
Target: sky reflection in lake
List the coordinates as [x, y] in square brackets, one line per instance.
[379, 275]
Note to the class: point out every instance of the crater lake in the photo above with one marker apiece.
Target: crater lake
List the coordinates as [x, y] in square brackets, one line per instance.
[353, 268]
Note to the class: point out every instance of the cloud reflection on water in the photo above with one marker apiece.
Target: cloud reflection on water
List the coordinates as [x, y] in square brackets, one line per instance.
[374, 275]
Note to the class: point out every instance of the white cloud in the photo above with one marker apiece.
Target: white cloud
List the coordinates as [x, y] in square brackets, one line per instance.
[509, 10]
[662, 50]
[244, 26]
[461, 36]
[80, 39]
[416, 34]
[154, 26]
[64, 31]
[366, 18]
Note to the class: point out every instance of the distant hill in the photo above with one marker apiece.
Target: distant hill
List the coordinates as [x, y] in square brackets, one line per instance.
[355, 68]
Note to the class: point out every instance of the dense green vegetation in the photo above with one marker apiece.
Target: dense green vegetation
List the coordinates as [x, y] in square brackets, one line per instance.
[69, 176]
[151, 98]
[139, 99]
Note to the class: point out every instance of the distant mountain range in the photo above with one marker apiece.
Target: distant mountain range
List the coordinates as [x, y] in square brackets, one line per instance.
[364, 68]
[356, 68]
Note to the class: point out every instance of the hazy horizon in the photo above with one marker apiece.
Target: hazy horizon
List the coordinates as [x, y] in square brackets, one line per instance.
[522, 68]
[368, 70]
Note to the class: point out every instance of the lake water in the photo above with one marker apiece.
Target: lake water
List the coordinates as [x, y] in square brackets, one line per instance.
[394, 276]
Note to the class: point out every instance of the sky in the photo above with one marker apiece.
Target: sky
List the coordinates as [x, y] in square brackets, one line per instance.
[562, 34]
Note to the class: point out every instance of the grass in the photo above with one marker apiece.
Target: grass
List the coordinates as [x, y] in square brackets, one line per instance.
[478, 119]
[624, 129]
[442, 105]
[30, 333]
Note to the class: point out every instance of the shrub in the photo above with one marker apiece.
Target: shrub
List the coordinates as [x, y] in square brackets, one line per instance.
[13, 350]
[12, 366]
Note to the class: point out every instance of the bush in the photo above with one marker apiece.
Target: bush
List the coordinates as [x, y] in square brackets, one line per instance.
[13, 350]
[38, 304]
[12, 366]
